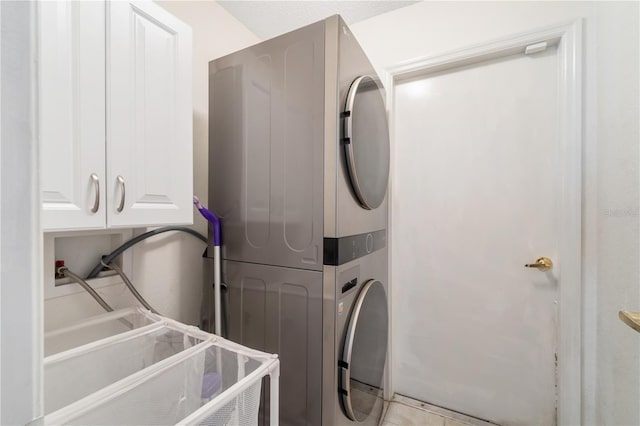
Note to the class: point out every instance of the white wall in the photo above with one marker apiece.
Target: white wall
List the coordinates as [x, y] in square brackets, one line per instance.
[20, 242]
[168, 270]
[617, 383]
[611, 231]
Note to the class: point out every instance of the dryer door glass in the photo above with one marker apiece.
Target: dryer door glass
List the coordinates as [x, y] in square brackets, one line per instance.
[364, 354]
[366, 141]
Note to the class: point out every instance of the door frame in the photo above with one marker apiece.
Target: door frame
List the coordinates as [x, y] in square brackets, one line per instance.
[568, 39]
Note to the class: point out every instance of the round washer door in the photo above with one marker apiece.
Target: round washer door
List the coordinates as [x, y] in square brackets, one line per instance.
[366, 141]
[364, 354]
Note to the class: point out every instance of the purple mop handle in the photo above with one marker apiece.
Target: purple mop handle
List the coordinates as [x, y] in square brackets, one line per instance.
[211, 218]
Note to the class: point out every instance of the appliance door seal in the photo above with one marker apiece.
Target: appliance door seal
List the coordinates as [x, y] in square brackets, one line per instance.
[366, 141]
[364, 353]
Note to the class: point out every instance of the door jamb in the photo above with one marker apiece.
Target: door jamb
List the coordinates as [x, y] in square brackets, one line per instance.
[568, 38]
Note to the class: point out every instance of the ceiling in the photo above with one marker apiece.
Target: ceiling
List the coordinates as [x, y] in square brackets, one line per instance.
[267, 19]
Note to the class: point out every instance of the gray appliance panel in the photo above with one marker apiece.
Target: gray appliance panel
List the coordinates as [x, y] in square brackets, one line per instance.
[266, 135]
[352, 218]
[279, 310]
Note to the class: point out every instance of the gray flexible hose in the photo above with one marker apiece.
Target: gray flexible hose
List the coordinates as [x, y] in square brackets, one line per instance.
[117, 252]
[133, 290]
[67, 273]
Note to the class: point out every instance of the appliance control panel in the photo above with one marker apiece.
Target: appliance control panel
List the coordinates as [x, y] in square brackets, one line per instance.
[338, 251]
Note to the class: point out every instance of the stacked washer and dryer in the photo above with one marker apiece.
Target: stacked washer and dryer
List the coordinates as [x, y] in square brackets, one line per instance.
[298, 170]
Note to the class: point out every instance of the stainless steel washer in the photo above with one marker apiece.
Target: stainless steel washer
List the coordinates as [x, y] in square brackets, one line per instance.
[298, 171]
[362, 322]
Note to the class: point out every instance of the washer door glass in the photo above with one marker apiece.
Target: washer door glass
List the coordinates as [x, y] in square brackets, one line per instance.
[366, 141]
[364, 354]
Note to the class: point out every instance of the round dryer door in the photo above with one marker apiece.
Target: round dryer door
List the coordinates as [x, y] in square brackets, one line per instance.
[364, 354]
[366, 141]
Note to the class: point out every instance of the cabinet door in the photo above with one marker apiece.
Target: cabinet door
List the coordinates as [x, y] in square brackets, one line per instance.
[149, 116]
[71, 76]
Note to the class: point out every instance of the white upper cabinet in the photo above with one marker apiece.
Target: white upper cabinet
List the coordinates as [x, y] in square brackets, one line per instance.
[72, 114]
[115, 115]
[149, 116]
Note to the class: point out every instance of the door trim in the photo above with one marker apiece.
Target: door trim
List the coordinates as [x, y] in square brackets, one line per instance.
[568, 38]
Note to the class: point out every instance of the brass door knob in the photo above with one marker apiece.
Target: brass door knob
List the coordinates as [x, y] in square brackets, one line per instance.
[632, 319]
[541, 264]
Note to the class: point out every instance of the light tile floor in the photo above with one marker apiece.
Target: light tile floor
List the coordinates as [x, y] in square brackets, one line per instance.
[403, 411]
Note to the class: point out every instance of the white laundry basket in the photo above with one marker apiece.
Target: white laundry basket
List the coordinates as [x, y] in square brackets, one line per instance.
[137, 368]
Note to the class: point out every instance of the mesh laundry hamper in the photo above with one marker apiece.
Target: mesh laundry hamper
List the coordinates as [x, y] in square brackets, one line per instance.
[137, 368]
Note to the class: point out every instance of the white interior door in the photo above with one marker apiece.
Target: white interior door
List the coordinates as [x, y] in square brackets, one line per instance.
[475, 198]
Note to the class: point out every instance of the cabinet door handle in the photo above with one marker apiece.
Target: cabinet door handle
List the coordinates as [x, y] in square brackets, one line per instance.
[96, 185]
[120, 180]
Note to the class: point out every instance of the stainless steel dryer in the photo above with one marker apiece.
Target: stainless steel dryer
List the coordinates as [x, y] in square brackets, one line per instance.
[299, 163]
